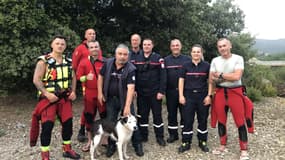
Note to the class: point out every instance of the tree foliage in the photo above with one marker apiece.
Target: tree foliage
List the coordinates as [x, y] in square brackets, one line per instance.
[26, 33]
[28, 25]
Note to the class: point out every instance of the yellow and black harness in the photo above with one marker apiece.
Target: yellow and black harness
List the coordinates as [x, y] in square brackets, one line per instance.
[58, 77]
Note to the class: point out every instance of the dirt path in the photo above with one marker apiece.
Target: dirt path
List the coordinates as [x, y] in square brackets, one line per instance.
[268, 142]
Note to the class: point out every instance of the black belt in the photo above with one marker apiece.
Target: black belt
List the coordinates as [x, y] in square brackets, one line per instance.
[231, 87]
[196, 90]
[112, 97]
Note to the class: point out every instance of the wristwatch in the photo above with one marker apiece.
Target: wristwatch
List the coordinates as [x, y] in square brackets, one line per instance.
[221, 76]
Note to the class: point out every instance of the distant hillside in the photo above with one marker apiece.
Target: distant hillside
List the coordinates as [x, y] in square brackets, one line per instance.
[270, 46]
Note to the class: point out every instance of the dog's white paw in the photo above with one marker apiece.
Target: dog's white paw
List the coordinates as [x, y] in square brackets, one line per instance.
[127, 157]
[98, 153]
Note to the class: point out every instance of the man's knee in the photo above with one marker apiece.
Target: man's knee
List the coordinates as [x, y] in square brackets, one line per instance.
[67, 129]
[221, 129]
[242, 133]
[89, 117]
[46, 133]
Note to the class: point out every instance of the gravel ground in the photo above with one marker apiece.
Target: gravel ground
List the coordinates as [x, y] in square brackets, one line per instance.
[267, 143]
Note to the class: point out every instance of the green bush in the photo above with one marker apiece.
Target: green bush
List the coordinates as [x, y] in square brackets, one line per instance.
[261, 80]
[254, 94]
[280, 73]
[269, 91]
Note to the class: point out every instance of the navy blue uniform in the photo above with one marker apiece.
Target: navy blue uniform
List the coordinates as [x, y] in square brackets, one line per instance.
[133, 55]
[173, 65]
[195, 91]
[150, 80]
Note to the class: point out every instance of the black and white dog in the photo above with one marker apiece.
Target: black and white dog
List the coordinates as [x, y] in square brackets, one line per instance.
[121, 132]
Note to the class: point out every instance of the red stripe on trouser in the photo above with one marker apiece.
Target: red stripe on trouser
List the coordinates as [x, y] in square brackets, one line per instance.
[235, 103]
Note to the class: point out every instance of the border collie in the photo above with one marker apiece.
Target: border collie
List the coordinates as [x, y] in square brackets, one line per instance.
[121, 132]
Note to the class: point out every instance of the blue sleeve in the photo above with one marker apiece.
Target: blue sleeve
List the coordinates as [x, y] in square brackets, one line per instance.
[131, 78]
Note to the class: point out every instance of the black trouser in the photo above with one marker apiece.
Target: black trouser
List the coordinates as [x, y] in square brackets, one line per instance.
[47, 127]
[145, 103]
[113, 109]
[194, 104]
[172, 102]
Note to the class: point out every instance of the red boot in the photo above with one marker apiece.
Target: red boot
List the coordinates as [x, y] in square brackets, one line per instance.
[69, 153]
[45, 155]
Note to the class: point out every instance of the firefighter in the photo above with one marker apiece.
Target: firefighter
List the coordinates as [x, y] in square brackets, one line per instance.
[116, 86]
[134, 52]
[81, 52]
[173, 65]
[87, 72]
[195, 96]
[56, 82]
[150, 87]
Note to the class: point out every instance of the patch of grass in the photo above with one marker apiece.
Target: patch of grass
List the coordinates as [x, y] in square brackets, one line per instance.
[2, 132]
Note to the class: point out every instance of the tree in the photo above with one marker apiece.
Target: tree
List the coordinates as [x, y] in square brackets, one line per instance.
[242, 45]
[27, 27]
[25, 35]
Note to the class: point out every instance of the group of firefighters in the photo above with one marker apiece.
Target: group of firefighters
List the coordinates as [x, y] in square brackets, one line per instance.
[141, 77]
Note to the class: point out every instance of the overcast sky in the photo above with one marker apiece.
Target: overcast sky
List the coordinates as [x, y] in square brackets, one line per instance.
[264, 18]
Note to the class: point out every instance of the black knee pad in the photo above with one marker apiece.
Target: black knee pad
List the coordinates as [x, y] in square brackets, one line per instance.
[221, 129]
[242, 133]
[67, 129]
[46, 133]
[248, 123]
[89, 117]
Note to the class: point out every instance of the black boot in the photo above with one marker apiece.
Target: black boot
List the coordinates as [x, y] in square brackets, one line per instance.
[172, 138]
[139, 149]
[161, 141]
[184, 147]
[203, 146]
[81, 137]
[111, 148]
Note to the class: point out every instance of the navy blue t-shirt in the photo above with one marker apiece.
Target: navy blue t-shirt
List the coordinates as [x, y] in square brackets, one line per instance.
[173, 67]
[195, 76]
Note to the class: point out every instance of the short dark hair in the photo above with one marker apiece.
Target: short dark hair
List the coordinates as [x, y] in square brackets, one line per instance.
[58, 36]
[148, 39]
[199, 46]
